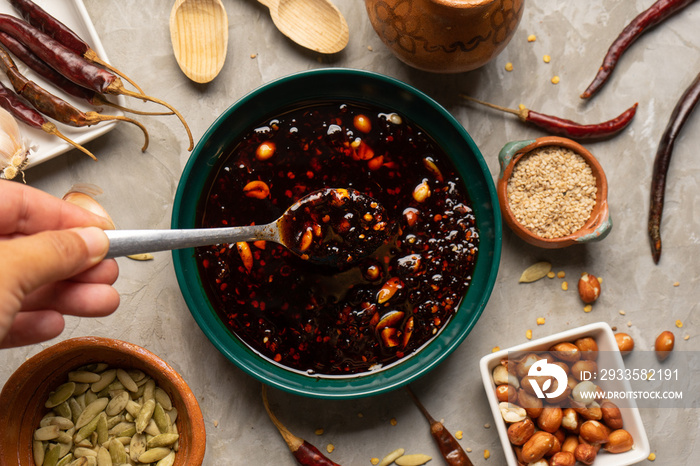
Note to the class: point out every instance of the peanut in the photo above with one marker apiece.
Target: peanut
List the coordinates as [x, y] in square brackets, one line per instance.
[566, 351]
[594, 432]
[619, 441]
[664, 345]
[588, 348]
[612, 417]
[588, 288]
[563, 458]
[550, 419]
[570, 443]
[520, 432]
[586, 453]
[625, 343]
[537, 446]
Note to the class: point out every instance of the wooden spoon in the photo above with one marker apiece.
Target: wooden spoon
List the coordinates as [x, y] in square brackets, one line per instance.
[315, 24]
[199, 33]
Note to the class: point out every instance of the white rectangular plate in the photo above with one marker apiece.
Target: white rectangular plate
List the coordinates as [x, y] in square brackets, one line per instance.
[73, 14]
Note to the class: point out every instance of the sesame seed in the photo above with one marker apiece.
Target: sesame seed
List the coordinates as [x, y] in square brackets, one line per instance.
[552, 191]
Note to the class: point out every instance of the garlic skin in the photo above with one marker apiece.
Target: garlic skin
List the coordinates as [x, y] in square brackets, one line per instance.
[13, 153]
[83, 195]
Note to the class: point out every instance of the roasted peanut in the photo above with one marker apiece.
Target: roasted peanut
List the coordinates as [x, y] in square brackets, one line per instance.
[501, 375]
[506, 392]
[520, 432]
[512, 413]
[563, 458]
[590, 412]
[523, 366]
[566, 351]
[594, 432]
[664, 345]
[584, 392]
[612, 417]
[588, 348]
[586, 453]
[570, 443]
[588, 288]
[625, 343]
[421, 192]
[583, 368]
[619, 441]
[265, 150]
[533, 405]
[256, 189]
[537, 446]
[570, 420]
[550, 419]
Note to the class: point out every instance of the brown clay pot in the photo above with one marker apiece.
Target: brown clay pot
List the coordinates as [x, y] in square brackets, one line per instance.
[25, 392]
[598, 224]
[445, 36]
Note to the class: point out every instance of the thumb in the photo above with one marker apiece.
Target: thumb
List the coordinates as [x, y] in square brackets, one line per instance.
[51, 256]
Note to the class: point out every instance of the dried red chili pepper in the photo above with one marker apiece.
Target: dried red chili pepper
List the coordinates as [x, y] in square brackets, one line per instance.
[449, 447]
[23, 112]
[654, 15]
[74, 67]
[305, 453]
[684, 107]
[568, 128]
[51, 75]
[48, 24]
[53, 106]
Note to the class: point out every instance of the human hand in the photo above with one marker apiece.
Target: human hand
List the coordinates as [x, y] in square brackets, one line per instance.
[50, 265]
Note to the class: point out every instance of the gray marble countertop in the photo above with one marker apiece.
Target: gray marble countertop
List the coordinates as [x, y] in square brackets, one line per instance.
[638, 297]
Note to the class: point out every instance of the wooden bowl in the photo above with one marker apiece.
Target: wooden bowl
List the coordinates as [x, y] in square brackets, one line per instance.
[23, 396]
[598, 224]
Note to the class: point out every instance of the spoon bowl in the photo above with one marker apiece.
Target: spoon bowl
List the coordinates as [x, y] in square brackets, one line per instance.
[315, 24]
[331, 226]
[199, 34]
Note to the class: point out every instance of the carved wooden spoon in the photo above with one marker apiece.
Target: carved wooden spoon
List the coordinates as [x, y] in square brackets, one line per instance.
[315, 24]
[199, 33]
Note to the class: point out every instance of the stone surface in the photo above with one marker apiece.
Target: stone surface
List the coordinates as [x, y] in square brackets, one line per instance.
[139, 189]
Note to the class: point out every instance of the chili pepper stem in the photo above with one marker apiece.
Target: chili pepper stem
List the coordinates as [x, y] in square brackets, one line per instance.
[521, 113]
[94, 117]
[117, 88]
[50, 128]
[93, 57]
[292, 441]
[98, 100]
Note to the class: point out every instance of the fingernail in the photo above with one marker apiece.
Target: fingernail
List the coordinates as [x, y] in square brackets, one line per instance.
[96, 241]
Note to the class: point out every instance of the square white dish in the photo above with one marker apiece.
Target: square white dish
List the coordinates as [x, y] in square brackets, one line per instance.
[608, 349]
[45, 146]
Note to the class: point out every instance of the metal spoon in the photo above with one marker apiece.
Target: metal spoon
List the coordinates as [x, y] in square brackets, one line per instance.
[315, 24]
[199, 33]
[332, 226]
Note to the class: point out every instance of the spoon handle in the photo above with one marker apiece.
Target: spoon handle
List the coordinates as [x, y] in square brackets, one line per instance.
[128, 242]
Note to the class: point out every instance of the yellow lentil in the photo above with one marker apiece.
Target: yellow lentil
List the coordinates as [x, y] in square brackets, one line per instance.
[546, 59]
[587, 308]
[555, 79]
[531, 38]
[679, 324]
[564, 286]
[509, 66]
[528, 334]
[540, 321]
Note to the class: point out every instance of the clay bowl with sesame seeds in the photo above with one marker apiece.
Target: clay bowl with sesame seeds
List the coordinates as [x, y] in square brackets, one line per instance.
[382, 321]
[553, 192]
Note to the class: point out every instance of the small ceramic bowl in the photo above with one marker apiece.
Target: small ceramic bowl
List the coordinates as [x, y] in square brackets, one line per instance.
[609, 358]
[23, 396]
[598, 224]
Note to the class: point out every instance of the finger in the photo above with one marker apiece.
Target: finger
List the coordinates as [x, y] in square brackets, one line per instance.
[27, 210]
[105, 272]
[50, 256]
[29, 328]
[76, 299]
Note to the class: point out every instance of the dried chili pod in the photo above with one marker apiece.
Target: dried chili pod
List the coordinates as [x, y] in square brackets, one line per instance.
[23, 112]
[304, 453]
[449, 447]
[53, 106]
[48, 24]
[684, 107]
[650, 17]
[567, 128]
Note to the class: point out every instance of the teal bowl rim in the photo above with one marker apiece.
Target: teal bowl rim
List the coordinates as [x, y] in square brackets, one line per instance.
[371, 88]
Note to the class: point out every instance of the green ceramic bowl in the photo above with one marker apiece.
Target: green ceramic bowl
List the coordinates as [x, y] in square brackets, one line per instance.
[361, 87]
